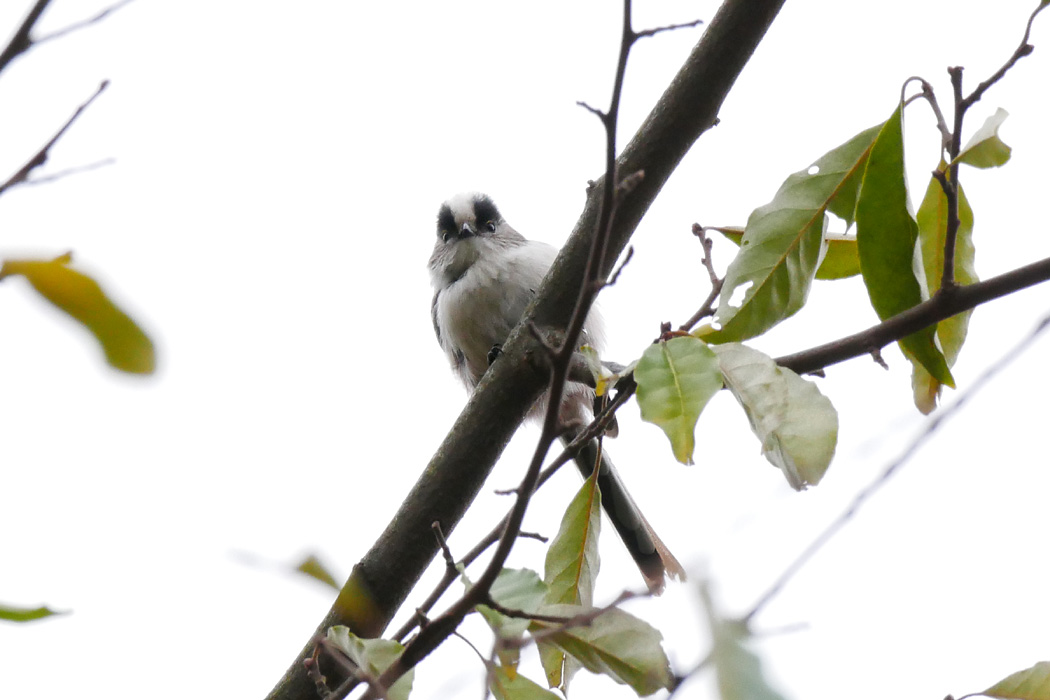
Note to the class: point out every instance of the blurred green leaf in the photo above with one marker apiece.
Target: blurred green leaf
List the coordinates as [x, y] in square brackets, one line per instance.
[14, 614]
[373, 656]
[312, 567]
[676, 378]
[985, 149]
[738, 670]
[784, 242]
[951, 333]
[1030, 684]
[614, 643]
[571, 569]
[840, 260]
[126, 346]
[796, 424]
[886, 237]
[508, 684]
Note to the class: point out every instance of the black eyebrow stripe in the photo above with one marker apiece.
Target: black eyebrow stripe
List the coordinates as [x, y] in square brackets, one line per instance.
[485, 210]
[446, 221]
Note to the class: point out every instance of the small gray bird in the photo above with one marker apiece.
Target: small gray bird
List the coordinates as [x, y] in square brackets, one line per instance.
[484, 275]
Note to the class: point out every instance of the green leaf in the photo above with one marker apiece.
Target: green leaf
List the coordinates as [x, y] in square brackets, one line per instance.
[886, 236]
[840, 261]
[312, 567]
[613, 643]
[738, 670]
[933, 227]
[571, 569]
[514, 589]
[784, 242]
[676, 378]
[126, 346]
[572, 561]
[1030, 684]
[985, 149]
[373, 656]
[796, 424]
[508, 684]
[13, 614]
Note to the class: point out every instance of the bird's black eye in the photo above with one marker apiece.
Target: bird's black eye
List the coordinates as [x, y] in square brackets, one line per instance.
[445, 235]
[491, 226]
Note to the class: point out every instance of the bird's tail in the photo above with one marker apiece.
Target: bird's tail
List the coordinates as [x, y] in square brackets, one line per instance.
[648, 551]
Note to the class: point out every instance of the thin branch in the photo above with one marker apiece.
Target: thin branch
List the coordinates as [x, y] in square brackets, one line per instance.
[566, 623]
[667, 28]
[41, 156]
[450, 561]
[945, 303]
[935, 422]
[444, 490]
[951, 184]
[68, 172]
[21, 42]
[707, 308]
[1023, 49]
[76, 26]
[931, 99]
[521, 614]
[438, 630]
[616, 274]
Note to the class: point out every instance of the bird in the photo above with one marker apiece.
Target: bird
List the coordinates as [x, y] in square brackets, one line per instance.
[484, 274]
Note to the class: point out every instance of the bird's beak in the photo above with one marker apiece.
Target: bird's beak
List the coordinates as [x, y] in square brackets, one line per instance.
[467, 231]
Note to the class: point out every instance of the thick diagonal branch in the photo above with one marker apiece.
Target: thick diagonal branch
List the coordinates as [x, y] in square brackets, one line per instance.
[382, 580]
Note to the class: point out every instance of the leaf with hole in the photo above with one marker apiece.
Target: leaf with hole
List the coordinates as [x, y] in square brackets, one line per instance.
[840, 261]
[783, 243]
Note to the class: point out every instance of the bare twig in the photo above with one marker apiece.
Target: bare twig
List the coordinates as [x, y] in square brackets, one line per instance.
[932, 426]
[21, 41]
[667, 28]
[76, 26]
[76, 170]
[1023, 49]
[962, 104]
[450, 561]
[616, 274]
[931, 99]
[707, 308]
[41, 156]
[581, 620]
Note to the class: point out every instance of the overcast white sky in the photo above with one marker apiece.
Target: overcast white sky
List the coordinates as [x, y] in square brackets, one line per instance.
[268, 219]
